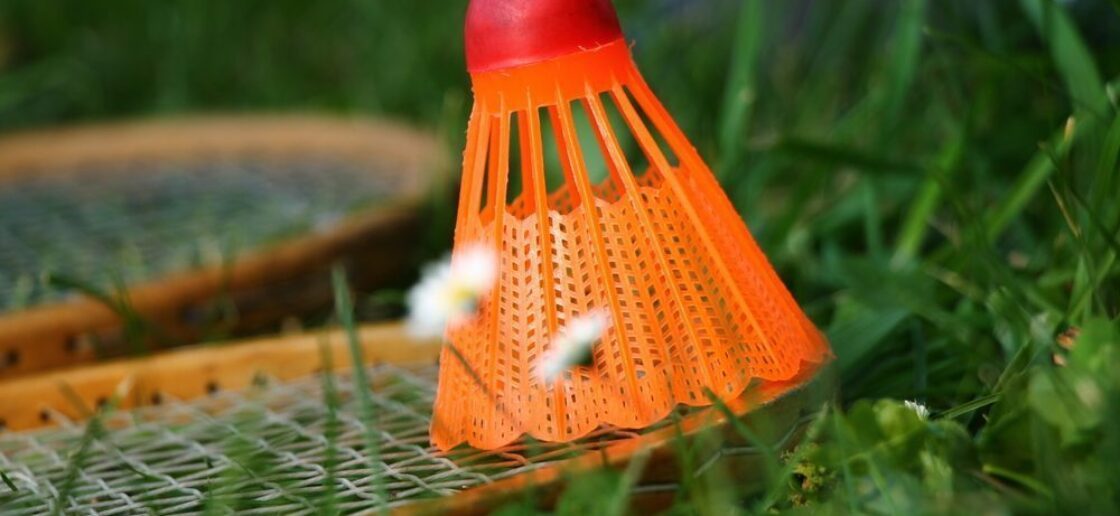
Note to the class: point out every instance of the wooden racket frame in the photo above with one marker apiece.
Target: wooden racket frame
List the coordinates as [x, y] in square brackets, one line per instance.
[191, 373]
[61, 333]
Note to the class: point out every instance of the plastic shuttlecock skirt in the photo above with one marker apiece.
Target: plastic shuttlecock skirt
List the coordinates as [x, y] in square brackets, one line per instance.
[696, 309]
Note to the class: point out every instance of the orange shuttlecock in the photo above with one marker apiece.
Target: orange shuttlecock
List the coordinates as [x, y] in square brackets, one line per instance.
[594, 201]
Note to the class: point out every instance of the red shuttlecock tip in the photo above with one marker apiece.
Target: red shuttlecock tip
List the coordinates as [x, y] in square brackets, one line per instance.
[507, 33]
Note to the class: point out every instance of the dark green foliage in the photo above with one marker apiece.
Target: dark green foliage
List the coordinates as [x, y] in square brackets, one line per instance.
[936, 181]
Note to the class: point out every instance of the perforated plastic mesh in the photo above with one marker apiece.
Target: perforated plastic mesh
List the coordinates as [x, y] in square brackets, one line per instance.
[265, 451]
[135, 221]
[695, 304]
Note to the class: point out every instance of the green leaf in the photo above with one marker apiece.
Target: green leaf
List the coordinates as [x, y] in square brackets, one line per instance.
[858, 332]
[590, 493]
[1096, 349]
[1052, 398]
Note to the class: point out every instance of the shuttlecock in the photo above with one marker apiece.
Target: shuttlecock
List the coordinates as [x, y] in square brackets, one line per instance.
[689, 304]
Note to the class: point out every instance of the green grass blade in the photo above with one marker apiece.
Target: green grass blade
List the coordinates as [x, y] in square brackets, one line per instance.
[970, 407]
[1029, 182]
[328, 503]
[859, 336]
[1020, 478]
[138, 330]
[8, 482]
[839, 155]
[344, 309]
[915, 224]
[872, 219]
[1105, 180]
[619, 504]
[741, 91]
[906, 47]
[1070, 54]
[845, 467]
[769, 456]
[95, 431]
[76, 462]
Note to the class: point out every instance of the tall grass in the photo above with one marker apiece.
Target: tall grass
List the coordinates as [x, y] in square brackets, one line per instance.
[936, 181]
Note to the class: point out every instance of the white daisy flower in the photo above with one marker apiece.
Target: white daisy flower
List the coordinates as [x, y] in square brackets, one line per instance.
[573, 345]
[451, 291]
[918, 408]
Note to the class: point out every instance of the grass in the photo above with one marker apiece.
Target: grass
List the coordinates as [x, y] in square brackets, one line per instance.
[345, 312]
[936, 182]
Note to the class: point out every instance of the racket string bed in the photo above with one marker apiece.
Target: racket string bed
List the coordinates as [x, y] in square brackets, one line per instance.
[261, 451]
[134, 221]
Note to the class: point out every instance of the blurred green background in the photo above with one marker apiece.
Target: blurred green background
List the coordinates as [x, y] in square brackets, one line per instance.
[935, 179]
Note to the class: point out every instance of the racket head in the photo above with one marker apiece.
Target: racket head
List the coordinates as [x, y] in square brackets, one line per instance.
[172, 407]
[196, 227]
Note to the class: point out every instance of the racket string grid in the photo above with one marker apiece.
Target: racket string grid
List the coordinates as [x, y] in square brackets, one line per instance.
[272, 448]
[134, 221]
